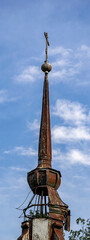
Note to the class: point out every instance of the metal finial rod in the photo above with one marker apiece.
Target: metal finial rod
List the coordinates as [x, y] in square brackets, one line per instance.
[47, 44]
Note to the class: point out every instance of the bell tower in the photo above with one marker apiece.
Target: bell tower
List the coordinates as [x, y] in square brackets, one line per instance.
[46, 215]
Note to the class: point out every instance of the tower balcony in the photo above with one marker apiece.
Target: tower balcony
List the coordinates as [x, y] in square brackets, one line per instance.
[43, 177]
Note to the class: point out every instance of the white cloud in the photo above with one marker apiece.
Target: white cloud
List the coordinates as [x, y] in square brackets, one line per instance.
[3, 95]
[13, 183]
[22, 151]
[77, 156]
[84, 50]
[18, 169]
[5, 98]
[72, 156]
[80, 177]
[70, 64]
[25, 152]
[33, 125]
[76, 117]
[70, 134]
[71, 112]
[7, 151]
[64, 74]
[21, 182]
[65, 69]
[59, 50]
[29, 75]
[60, 62]
[75, 130]
[61, 74]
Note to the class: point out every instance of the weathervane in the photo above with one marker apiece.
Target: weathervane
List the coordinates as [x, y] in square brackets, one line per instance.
[47, 44]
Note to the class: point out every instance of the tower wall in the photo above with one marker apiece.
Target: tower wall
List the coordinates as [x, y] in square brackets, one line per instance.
[41, 229]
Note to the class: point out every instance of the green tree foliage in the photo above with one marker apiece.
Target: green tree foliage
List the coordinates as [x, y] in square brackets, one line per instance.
[84, 231]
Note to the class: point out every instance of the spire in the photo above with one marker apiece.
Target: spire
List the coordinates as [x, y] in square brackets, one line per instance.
[44, 151]
[45, 204]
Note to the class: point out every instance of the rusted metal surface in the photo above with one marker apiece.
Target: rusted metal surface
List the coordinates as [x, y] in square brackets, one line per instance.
[44, 151]
[45, 205]
[26, 230]
[44, 181]
[44, 176]
[41, 214]
[19, 238]
[58, 234]
[67, 222]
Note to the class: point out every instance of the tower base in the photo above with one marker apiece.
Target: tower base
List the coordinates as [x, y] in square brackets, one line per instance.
[41, 229]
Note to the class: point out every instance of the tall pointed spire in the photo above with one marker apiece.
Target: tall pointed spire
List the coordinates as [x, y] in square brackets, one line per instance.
[45, 209]
[44, 151]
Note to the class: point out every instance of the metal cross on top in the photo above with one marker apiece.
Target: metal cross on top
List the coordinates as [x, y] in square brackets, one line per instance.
[47, 44]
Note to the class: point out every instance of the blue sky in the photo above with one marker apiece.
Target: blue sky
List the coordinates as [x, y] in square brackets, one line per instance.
[22, 44]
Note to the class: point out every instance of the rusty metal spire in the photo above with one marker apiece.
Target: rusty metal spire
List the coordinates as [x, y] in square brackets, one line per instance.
[44, 151]
[44, 181]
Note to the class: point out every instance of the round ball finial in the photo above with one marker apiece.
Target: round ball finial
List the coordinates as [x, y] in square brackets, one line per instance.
[46, 67]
